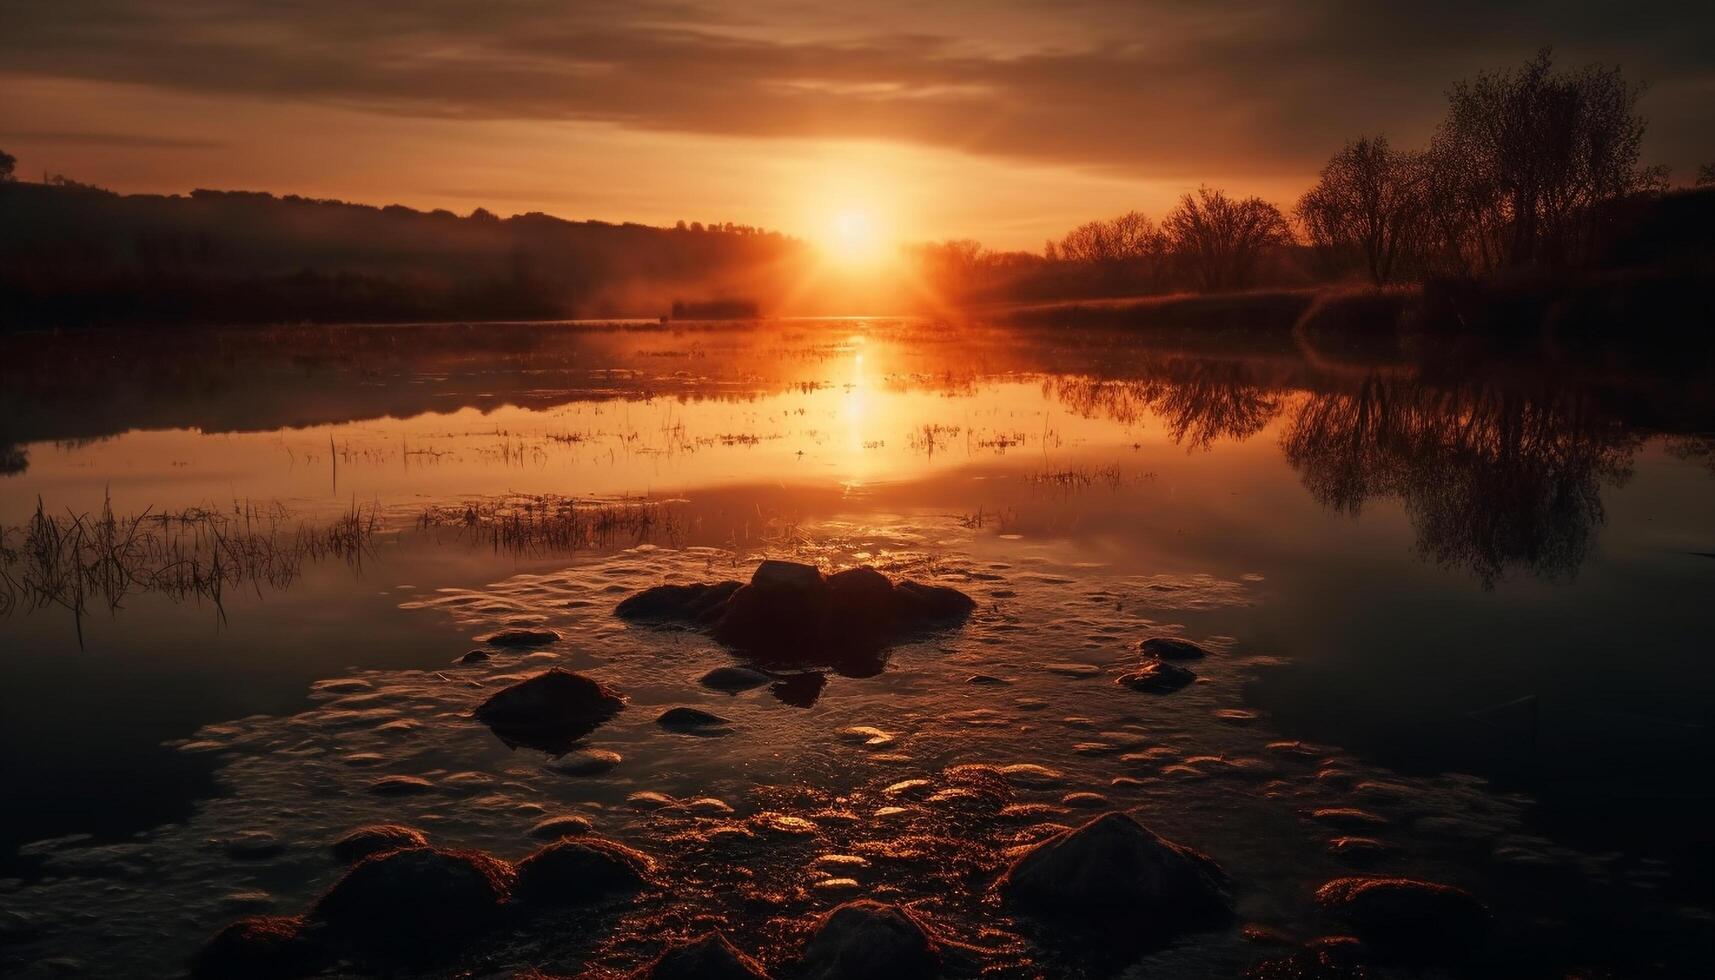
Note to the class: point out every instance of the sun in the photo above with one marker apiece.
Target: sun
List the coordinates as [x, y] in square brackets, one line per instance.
[853, 236]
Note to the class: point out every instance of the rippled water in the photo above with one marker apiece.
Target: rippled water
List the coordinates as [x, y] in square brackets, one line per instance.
[1465, 598]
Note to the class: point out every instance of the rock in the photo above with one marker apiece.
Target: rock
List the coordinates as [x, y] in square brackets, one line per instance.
[576, 871]
[649, 800]
[1032, 775]
[564, 825]
[1084, 801]
[523, 636]
[417, 904]
[1404, 916]
[376, 839]
[932, 602]
[866, 736]
[585, 762]
[257, 947]
[1114, 865]
[866, 939]
[401, 786]
[987, 679]
[710, 957]
[678, 603]
[690, 720]
[707, 806]
[474, 657]
[1157, 677]
[1358, 850]
[1072, 668]
[549, 710]
[1171, 648]
[731, 680]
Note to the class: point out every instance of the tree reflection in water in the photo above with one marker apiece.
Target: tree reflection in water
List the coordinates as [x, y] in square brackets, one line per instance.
[1201, 402]
[1493, 479]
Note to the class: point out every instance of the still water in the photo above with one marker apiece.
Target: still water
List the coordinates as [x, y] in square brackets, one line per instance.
[1464, 595]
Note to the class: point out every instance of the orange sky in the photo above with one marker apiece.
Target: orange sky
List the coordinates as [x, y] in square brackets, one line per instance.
[1008, 122]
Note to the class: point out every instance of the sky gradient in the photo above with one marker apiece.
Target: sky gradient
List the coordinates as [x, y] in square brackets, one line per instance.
[1005, 121]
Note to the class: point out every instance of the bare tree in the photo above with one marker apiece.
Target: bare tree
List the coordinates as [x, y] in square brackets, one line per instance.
[1366, 206]
[1221, 239]
[8, 165]
[1128, 238]
[1524, 156]
[1706, 175]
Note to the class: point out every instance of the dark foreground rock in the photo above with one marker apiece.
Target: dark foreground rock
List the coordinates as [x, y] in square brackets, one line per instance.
[1171, 648]
[376, 839]
[1157, 677]
[790, 612]
[731, 680]
[258, 947]
[708, 958]
[550, 710]
[417, 904]
[523, 636]
[1115, 866]
[866, 939]
[1407, 917]
[691, 720]
[576, 871]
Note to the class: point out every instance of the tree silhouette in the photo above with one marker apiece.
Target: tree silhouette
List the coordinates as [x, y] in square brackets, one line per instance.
[1366, 207]
[8, 165]
[1221, 239]
[1706, 175]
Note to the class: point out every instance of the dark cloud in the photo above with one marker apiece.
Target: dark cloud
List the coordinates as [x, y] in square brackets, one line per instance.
[1170, 86]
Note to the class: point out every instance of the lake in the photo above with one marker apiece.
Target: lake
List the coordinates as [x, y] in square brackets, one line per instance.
[1456, 605]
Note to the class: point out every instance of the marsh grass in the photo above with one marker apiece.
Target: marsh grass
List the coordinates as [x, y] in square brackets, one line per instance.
[82, 561]
[553, 524]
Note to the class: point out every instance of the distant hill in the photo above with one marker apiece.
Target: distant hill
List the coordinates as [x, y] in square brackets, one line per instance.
[73, 255]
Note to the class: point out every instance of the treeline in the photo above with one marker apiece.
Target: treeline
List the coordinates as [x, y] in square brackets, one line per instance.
[73, 254]
[1530, 169]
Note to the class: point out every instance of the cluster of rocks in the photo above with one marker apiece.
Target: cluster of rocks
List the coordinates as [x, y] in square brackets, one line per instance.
[790, 612]
[1160, 673]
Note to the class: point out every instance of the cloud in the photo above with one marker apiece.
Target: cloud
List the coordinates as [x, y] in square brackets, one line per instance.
[131, 140]
[1166, 87]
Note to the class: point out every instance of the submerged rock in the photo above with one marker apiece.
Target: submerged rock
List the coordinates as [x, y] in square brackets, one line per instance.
[678, 603]
[257, 947]
[577, 871]
[1157, 677]
[1404, 916]
[585, 762]
[523, 636]
[474, 657]
[1171, 648]
[710, 957]
[1115, 865]
[549, 710]
[731, 680]
[564, 825]
[865, 939]
[401, 786]
[696, 720]
[376, 839]
[416, 904]
[790, 612]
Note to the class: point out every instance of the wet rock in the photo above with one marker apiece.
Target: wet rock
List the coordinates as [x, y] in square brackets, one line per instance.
[649, 800]
[376, 839]
[987, 679]
[709, 958]
[1407, 917]
[577, 871]
[1084, 801]
[866, 939]
[699, 603]
[549, 710]
[1157, 677]
[866, 736]
[707, 806]
[731, 680]
[1171, 648]
[401, 786]
[830, 886]
[475, 657]
[417, 904]
[564, 825]
[690, 720]
[799, 690]
[1358, 850]
[1071, 668]
[523, 636]
[585, 762]
[258, 947]
[1031, 775]
[1114, 865]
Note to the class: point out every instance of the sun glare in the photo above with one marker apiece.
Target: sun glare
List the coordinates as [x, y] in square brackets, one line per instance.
[853, 237]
